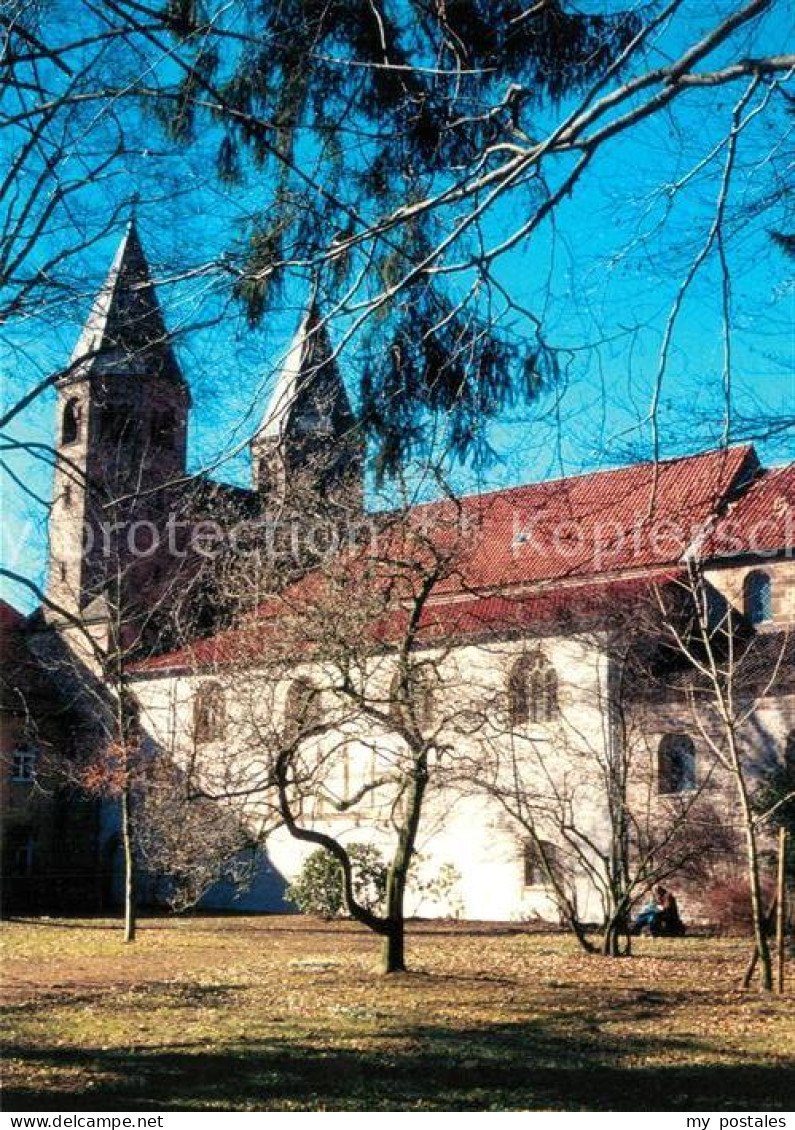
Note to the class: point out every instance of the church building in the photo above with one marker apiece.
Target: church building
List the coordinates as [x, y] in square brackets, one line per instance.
[520, 636]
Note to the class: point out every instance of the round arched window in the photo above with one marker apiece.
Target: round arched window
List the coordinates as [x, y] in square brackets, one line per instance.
[758, 592]
[209, 713]
[532, 690]
[676, 764]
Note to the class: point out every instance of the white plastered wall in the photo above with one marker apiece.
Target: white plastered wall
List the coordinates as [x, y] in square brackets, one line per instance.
[460, 826]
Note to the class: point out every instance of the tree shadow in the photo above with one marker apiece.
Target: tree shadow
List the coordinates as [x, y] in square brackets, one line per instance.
[174, 994]
[525, 1065]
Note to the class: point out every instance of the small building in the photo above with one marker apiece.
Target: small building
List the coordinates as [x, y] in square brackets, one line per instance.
[50, 829]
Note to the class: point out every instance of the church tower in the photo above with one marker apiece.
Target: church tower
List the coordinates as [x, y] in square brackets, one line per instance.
[121, 420]
[308, 447]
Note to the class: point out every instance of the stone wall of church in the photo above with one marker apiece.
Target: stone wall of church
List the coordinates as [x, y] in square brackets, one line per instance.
[764, 742]
[49, 829]
[730, 579]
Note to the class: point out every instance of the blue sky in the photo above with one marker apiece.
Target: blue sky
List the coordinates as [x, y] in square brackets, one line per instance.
[602, 277]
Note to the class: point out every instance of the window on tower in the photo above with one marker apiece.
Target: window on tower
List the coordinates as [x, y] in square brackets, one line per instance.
[70, 423]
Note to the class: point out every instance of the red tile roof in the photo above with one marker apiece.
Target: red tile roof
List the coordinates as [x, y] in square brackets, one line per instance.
[761, 521]
[597, 537]
[465, 619]
[573, 606]
[638, 517]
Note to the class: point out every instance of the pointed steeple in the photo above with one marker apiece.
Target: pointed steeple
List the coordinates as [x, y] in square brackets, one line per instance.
[122, 426]
[125, 330]
[308, 389]
[309, 424]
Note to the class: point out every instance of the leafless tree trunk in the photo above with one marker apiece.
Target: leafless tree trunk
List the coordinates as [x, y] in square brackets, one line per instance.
[128, 843]
[724, 692]
[537, 772]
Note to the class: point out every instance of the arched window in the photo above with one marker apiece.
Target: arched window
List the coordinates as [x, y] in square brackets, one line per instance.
[518, 699]
[758, 591]
[532, 690]
[209, 713]
[538, 859]
[676, 764]
[70, 421]
[420, 694]
[303, 708]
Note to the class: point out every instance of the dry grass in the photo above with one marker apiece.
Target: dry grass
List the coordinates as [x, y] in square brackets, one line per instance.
[287, 1013]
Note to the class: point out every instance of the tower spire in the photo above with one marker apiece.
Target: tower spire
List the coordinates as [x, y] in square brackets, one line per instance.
[303, 371]
[121, 435]
[125, 329]
[309, 427]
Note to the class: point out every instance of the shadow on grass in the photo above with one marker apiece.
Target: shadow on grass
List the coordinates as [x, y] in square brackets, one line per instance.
[158, 993]
[510, 1066]
[282, 922]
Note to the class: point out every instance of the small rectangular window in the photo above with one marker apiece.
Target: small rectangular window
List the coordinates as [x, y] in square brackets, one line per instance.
[20, 850]
[67, 495]
[23, 765]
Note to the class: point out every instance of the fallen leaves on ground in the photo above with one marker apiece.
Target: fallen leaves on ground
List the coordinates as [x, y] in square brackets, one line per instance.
[289, 1013]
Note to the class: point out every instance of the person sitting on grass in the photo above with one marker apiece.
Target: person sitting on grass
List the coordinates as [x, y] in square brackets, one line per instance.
[668, 923]
[648, 917]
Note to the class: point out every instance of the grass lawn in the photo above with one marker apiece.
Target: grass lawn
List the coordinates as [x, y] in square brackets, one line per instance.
[287, 1014]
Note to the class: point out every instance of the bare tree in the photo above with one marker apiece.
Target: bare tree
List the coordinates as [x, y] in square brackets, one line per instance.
[113, 579]
[729, 671]
[324, 709]
[577, 767]
[185, 843]
[169, 835]
[84, 655]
